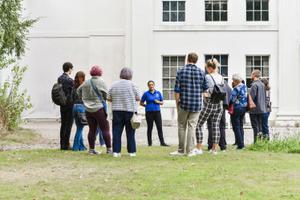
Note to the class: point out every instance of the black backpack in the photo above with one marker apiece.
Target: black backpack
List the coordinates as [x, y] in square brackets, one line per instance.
[58, 95]
[218, 93]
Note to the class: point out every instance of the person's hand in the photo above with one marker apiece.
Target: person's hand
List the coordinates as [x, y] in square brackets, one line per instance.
[205, 94]
[156, 101]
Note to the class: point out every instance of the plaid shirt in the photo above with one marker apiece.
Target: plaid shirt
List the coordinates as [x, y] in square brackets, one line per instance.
[190, 84]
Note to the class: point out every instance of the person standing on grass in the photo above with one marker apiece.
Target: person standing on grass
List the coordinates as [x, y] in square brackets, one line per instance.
[212, 109]
[265, 122]
[222, 142]
[239, 101]
[124, 96]
[154, 100]
[66, 111]
[79, 113]
[94, 93]
[258, 95]
[189, 86]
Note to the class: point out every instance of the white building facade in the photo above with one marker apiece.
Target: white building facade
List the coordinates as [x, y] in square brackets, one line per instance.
[154, 36]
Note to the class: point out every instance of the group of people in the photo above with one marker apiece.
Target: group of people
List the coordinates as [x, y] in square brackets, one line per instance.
[86, 104]
[196, 93]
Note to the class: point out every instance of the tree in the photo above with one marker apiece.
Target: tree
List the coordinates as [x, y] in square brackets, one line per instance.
[14, 30]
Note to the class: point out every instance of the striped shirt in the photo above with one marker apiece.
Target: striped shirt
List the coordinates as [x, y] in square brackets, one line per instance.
[190, 84]
[123, 95]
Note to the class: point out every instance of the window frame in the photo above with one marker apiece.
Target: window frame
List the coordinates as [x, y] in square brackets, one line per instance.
[253, 67]
[261, 10]
[213, 55]
[170, 12]
[220, 11]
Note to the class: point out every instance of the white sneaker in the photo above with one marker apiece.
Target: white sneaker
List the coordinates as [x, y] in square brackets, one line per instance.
[132, 154]
[116, 155]
[198, 151]
[192, 153]
[176, 153]
[214, 152]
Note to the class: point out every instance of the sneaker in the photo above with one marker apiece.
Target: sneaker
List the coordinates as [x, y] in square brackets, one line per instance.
[93, 152]
[164, 145]
[198, 151]
[223, 151]
[214, 152]
[176, 153]
[192, 153]
[116, 155]
[132, 154]
[109, 151]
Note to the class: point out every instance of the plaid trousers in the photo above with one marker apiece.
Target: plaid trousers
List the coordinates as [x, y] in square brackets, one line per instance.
[213, 111]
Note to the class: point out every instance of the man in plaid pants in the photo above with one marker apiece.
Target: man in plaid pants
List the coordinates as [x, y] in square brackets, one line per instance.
[189, 86]
[211, 109]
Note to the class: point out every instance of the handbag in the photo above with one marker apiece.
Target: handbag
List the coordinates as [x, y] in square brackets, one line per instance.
[100, 97]
[231, 109]
[82, 118]
[136, 121]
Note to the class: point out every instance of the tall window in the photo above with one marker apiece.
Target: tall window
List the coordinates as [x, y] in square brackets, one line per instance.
[223, 60]
[173, 11]
[256, 62]
[257, 10]
[170, 66]
[216, 10]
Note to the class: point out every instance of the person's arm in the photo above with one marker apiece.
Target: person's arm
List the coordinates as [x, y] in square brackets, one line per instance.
[253, 92]
[205, 86]
[233, 96]
[161, 100]
[109, 96]
[79, 92]
[136, 93]
[177, 89]
[142, 102]
[177, 99]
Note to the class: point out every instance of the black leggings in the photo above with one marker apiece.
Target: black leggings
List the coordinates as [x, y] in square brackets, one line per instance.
[154, 116]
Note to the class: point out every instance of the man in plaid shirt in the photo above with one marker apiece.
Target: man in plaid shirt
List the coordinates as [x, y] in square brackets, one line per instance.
[189, 86]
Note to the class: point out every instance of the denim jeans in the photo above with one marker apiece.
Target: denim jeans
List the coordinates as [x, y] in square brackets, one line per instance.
[101, 139]
[265, 125]
[78, 144]
[256, 123]
[122, 119]
[237, 125]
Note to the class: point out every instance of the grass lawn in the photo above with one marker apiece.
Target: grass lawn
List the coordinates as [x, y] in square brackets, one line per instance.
[153, 174]
[19, 137]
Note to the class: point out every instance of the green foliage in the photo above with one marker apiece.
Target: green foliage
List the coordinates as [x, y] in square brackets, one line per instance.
[286, 145]
[13, 35]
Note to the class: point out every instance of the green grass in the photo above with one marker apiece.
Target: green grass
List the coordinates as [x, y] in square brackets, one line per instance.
[286, 145]
[19, 137]
[153, 174]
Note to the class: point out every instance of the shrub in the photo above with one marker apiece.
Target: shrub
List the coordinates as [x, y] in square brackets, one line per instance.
[286, 145]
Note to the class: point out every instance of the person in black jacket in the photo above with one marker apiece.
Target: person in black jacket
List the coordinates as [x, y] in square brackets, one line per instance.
[66, 112]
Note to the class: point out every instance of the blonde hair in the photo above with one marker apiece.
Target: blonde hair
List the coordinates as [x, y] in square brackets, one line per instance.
[213, 63]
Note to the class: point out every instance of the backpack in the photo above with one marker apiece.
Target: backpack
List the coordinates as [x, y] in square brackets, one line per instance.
[58, 95]
[218, 93]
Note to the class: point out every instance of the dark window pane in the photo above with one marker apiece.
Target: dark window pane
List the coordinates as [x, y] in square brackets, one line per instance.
[174, 16]
[173, 82]
[249, 61]
[207, 57]
[265, 5]
[224, 60]
[166, 5]
[265, 72]
[166, 16]
[257, 16]
[181, 5]
[166, 61]
[257, 5]
[174, 61]
[249, 4]
[265, 60]
[173, 71]
[216, 5]
[208, 5]
[249, 15]
[208, 16]
[224, 6]
[249, 81]
[217, 57]
[166, 72]
[257, 60]
[181, 16]
[166, 83]
[174, 5]
[265, 16]
[216, 16]
[224, 71]
[223, 16]
[248, 71]
[181, 61]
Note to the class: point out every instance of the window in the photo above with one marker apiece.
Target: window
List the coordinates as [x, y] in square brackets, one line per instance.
[170, 66]
[223, 60]
[216, 10]
[256, 62]
[173, 11]
[257, 10]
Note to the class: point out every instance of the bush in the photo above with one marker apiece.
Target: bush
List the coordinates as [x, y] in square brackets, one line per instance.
[286, 145]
